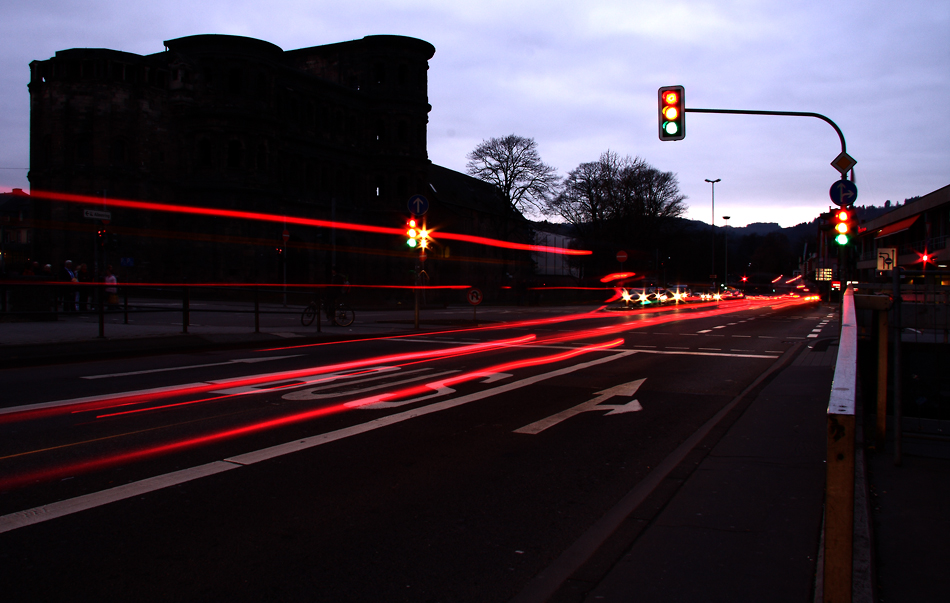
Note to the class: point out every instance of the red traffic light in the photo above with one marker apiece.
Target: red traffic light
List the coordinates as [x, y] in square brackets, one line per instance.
[672, 113]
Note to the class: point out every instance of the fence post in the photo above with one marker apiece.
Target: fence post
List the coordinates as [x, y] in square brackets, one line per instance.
[184, 310]
[257, 310]
[839, 488]
[101, 304]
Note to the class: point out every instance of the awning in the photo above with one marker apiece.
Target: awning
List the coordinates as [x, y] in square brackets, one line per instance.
[896, 227]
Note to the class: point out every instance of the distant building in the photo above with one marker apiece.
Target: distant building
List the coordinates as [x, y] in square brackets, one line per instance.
[16, 231]
[227, 122]
[919, 227]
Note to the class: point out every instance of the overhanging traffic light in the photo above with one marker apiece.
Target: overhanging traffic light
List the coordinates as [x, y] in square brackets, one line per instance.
[672, 117]
[844, 226]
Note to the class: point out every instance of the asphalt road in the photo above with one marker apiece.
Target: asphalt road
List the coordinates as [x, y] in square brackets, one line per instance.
[448, 466]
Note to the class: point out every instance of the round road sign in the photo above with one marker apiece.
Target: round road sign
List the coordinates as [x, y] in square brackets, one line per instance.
[621, 256]
[843, 193]
[474, 297]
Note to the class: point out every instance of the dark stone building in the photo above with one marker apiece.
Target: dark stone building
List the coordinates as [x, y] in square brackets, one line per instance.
[334, 132]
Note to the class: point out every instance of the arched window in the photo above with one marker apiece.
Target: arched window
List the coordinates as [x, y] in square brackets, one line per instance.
[235, 155]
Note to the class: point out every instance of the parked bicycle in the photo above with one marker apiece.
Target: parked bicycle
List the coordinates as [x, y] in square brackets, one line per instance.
[342, 314]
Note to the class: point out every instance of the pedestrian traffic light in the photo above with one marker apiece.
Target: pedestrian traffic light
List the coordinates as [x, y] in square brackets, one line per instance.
[101, 237]
[844, 225]
[672, 118]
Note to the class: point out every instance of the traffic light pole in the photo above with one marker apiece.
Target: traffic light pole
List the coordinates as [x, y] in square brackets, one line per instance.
[786, 113]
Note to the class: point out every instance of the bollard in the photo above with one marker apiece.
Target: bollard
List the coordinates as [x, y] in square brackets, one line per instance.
[839, 487]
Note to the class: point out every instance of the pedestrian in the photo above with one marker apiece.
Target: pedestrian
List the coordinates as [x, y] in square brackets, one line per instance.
[112, 292]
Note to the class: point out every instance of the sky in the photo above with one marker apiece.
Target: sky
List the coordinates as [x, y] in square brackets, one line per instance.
[581, 78]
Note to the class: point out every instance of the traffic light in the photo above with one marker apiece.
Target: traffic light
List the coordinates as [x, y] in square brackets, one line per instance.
[417, 235]
[101, 237]
[844, 226]
[412, 231]
[672, 118]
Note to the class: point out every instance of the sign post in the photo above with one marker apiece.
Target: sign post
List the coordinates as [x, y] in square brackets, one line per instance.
[474, 297]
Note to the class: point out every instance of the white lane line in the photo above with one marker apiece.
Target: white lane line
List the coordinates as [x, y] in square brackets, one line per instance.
[69, 506]
[96, 499]
[742, 336]
[706, 331]
[191, 366]
[722, 354]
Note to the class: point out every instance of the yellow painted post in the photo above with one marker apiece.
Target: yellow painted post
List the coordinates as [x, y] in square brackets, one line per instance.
[839, 486]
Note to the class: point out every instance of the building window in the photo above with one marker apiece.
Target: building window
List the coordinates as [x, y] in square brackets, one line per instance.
[261, 158]
[235, 155]
[204, 153]
[117, 152]
[234, 81]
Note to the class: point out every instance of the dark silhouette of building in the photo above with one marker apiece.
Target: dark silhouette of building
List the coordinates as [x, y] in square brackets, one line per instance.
[227, 122]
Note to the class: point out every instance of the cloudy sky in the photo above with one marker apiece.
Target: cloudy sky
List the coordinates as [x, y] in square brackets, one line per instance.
[582, 77]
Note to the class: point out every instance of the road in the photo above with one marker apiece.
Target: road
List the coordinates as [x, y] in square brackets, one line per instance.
[456, 465]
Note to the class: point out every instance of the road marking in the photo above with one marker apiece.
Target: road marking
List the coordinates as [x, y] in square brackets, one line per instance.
[192, 366]
[721, 354]
[706, 331]
[311, 392]
[69, 506]
[625, 390]
[743, 336]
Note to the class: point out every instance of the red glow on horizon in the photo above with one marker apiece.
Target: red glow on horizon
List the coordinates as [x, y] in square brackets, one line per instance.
[261, 217]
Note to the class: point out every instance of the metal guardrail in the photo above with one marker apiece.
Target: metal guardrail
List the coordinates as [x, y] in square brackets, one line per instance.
[839, 489]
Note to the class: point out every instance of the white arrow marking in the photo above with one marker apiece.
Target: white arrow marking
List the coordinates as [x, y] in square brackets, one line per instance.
[625, 390]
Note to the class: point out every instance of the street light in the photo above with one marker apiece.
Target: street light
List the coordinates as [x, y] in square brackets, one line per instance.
[725, 271]
[712, 227]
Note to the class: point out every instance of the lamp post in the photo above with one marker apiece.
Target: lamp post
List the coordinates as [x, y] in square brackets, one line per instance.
[725, 270]
[712, 228]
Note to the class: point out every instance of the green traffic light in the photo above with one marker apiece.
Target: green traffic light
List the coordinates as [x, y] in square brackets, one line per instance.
[670, 127]
[411, 242]
[841, 239]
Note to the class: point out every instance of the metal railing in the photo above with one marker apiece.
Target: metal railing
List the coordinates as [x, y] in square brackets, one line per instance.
[839, 488]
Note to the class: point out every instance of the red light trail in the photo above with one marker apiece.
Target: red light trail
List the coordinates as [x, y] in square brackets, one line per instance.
[315, 375]
[262, 217]
[9, 482]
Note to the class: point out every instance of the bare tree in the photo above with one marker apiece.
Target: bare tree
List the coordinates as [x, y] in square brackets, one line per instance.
[512, 163]
[623, 190]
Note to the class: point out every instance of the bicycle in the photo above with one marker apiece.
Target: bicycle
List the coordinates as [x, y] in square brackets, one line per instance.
[342, 315]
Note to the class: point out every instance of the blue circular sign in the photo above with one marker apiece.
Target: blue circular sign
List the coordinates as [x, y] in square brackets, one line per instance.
[418, 205]
[843, 193]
